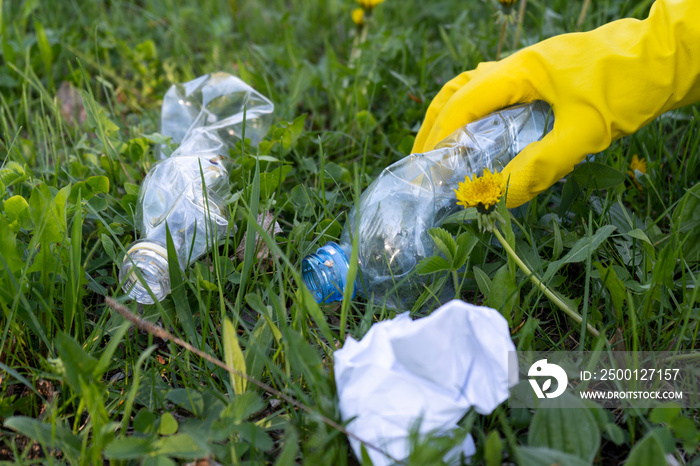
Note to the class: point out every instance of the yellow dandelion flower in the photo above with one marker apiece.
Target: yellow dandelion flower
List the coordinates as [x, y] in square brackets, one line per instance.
[369, 4]
[507, 3]
[482, 192]
[637, 165]
[358, 17]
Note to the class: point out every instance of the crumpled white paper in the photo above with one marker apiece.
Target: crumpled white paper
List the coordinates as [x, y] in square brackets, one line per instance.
[432, 369]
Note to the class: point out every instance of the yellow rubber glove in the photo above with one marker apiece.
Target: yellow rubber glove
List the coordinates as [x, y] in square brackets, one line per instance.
[602, 85]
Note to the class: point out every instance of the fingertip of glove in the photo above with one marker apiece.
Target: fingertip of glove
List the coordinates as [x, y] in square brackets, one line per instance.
[520, 185]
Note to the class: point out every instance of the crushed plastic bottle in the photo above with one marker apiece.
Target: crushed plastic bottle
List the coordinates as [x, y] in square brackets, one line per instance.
[215, 102]
[187, 189]
[410, 197]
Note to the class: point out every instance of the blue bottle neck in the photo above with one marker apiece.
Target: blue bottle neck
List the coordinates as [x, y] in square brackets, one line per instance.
[325, 273]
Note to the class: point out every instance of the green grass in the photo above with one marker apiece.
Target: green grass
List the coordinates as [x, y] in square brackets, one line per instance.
[81, 387]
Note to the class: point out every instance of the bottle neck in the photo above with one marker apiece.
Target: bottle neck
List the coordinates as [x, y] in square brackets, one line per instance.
[325, 273]
[150, 259]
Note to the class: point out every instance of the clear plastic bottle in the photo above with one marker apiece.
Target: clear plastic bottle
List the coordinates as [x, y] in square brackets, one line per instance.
[187, 189]
[410, 197]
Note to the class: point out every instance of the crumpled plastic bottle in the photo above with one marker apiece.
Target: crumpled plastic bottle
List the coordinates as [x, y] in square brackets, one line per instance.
[410, 197]
[186, 191]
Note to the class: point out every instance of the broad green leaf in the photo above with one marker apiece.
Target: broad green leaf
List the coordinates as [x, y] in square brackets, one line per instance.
[98, 184]
[127, 448]
[269, 181]
[684, 428]
[254, 435]
[146, 50]
[257, 304]
[159, 460]
[304, 204]
[48, 222]
[290, 450]
[465, 244]
[206, 285]
[167, 424]
[580, 251]
[132, 189]
[483, 281]
[432, 264]
[8, 247]
[492, 449]
[583, 248]
[181, 446]
[292, 131]
[233, 356]
[617, 215]
[365, 120]
[89, 188]
[328, 230]
[504, 293]
[686, 216]
[188, 399]
[596, 175]
[97, 204]
[60, 202]
[145, 421]
[157, 138]
[336, 174]
[49, 435]
[12, 173]
[241, 408]
[638, 234]
[647, 452]
[614, 432]
[135, 149]
[665, 265]
[665, 413]
[606, 422]
[540, 456]
[568, 429]
[17, 211]
[108, 246]
[444, 242]
[686, 221]
[76, 362]
[617, 289]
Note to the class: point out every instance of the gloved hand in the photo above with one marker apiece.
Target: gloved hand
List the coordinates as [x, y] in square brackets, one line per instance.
[602, 85]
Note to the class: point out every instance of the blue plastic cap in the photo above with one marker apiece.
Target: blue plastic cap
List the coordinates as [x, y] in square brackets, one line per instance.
[325, 273]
